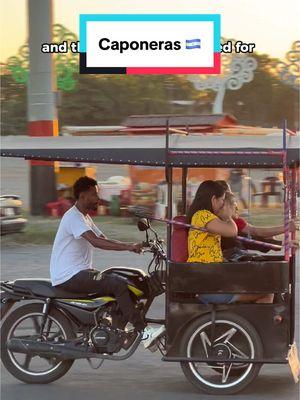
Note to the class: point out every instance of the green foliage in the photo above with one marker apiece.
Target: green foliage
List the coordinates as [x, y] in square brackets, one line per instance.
[13, 107]
[105, 100]
[265, 101]
[108, 99]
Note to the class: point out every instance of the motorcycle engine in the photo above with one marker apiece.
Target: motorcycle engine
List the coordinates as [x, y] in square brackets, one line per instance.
[107, 339]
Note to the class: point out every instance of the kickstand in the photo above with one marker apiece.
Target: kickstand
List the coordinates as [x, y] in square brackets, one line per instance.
[94, 366]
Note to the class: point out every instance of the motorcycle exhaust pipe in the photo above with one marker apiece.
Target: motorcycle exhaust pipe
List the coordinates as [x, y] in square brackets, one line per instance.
[47, 350]
[63, 351]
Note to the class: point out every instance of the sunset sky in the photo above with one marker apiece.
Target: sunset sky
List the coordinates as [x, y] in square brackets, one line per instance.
[272, 25]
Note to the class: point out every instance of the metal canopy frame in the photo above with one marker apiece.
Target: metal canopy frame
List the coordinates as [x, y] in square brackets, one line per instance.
[282, 161]
[280, 154]
[193, 157]
[189, 151]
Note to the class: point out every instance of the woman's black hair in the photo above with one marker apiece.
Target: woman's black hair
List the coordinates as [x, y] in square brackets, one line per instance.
[223, 183]
[83, 184]
[204, 194]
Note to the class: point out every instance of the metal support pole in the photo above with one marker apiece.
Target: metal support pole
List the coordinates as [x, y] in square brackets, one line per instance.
[294, 185]
[42, 114]
[169, 179]
[293, 206]
[167, 148]
[169, 212]
[183, 189]
[286, 195]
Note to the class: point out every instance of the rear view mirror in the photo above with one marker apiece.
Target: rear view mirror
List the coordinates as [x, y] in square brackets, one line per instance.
[143, 224]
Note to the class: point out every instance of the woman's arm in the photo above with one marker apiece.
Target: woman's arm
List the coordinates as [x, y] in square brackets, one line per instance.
[224, 228]
[224, 225]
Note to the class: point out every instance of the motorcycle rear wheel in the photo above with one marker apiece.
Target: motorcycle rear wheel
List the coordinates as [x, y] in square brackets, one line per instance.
[34, 369]
[234, 337]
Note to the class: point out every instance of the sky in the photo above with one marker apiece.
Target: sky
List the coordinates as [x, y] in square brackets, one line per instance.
[271, 24]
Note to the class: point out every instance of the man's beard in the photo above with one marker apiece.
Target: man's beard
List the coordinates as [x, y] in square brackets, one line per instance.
[94, 207]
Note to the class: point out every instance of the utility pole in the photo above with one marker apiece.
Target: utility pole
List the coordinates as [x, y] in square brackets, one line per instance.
[41, 102]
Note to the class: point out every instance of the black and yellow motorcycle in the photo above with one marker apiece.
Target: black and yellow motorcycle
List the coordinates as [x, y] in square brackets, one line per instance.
[52, 328]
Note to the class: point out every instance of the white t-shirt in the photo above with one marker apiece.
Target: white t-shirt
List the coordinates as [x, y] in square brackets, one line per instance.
[71, 253]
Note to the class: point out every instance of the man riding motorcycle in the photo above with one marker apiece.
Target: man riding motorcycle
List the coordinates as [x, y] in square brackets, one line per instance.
[71, 258]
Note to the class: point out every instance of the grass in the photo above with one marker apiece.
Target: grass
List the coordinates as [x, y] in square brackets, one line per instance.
[42, 230]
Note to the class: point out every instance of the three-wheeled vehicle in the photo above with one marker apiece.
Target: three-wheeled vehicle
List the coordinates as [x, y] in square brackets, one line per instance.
[221, 347]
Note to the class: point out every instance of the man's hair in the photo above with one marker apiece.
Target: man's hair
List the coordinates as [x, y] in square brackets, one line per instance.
[83, 184]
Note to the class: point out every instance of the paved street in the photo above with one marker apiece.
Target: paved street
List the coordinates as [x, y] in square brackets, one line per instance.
[144, 375]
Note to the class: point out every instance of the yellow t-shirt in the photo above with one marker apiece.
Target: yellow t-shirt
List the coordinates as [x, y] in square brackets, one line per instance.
[204, 247]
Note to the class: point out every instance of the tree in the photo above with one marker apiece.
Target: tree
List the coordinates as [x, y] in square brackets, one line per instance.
[265, 101]
[13, 110]
[104, 100]
[108, 99]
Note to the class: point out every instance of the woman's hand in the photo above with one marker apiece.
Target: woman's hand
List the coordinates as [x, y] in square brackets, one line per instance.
[227, 211]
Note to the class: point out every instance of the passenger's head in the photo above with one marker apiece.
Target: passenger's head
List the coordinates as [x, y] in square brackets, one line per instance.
[230, 199]
[229, 209]
[86, 191]
[224, 184]
[209, 196]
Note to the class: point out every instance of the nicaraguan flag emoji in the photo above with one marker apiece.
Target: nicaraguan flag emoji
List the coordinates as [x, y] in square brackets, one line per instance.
[193, 44]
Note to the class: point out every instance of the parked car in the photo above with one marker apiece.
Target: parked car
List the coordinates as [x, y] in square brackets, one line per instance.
[11, 214]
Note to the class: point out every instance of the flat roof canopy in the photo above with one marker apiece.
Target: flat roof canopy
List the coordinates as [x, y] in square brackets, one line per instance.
[191, 151]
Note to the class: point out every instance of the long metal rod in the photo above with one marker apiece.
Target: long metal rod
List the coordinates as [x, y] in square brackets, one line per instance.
[169, 179]
[167, 148]
[286, 195]
[184, 172]
[169, 211]
[294, 185]
[236, 153]
[241, 238]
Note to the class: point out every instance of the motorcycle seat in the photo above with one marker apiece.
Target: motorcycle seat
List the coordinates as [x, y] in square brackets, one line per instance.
[44, 288]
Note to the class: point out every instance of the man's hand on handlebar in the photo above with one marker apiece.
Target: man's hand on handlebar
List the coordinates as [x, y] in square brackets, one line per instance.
[137, 248]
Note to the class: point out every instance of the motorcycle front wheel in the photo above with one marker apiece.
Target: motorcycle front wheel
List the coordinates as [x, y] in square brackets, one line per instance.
[232, 337]
[25, 322]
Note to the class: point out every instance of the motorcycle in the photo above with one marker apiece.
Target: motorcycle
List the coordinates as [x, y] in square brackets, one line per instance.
[44, 336]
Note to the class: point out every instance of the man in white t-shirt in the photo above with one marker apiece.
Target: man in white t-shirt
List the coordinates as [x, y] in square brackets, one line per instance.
[71, 258]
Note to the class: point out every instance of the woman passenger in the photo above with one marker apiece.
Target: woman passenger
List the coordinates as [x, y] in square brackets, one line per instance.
[213, 209]
[208, 211]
